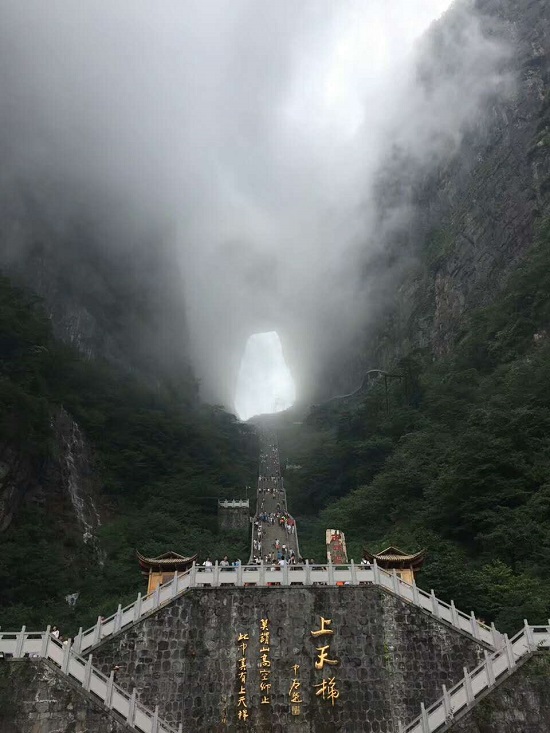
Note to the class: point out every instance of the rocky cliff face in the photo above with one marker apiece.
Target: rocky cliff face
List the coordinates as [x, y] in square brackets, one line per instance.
[117, 293]
[18, 477]
[65, 482]
[474, 218]
[111, 292]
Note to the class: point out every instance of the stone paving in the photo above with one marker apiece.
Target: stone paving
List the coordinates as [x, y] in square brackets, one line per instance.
[271, 498]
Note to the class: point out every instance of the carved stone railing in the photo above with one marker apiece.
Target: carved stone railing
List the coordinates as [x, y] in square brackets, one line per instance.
[495, 669]
[265, 576]
[42, 644]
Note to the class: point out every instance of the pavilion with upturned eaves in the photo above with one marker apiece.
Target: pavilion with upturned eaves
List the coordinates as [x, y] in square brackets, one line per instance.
[161, 569]
[392, 558]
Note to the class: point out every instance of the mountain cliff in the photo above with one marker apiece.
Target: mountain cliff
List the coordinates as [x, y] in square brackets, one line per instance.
[454, 231]
[104, 445]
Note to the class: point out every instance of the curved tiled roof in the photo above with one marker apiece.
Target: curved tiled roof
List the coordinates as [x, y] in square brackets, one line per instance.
[166, 560]
[394, 554]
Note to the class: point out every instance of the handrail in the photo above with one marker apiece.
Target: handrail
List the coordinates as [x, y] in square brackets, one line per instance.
[492, 671]
[291, 575]
[44, 645]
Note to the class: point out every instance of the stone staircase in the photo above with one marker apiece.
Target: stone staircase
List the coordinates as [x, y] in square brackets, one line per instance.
[43, 645]
[295, 575]
[496, 668]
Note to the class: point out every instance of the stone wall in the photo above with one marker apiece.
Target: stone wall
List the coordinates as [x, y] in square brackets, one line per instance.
[234, 517]
[391, 657]
[521, 704]
[36, 698]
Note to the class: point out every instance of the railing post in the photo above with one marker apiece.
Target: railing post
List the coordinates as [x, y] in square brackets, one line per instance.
[475, 626]
[66, 656]
[174, 589]
[117, 622]
[376, 572]
[435, 604]
[509, 652]
[454, 615]
[45, 642]
[156, 597]
[286, 580]
[425, 722]
[216, 575]
[330, 567]
[87, 673]
[416, 599]
[395, 582]
[354, 580]
[240, 577]
[97, 631]
[447, 707]
[131, 708]
[20, 643]
[497, 637]
[489, 671]
[468, 686]
[528, 631]
[193, 575]
[77, 643]
[137, 607]
[155, 721]
[109, 690]
[307, 570]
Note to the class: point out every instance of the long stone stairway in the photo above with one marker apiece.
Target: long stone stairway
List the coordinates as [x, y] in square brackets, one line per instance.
[271, 500]
[34, 645]
[474, 686]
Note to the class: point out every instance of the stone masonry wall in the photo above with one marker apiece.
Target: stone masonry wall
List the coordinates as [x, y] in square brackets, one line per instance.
[234, 518]
[521, 704]
[36, 698]
[391, 657]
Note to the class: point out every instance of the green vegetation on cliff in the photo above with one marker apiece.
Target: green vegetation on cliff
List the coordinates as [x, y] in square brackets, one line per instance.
[460, 463]
[159, 463]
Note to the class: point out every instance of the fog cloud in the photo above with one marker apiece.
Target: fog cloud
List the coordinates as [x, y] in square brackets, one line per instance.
[250, 134]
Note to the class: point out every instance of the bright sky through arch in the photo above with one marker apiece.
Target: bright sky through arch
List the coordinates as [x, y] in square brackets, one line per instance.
[265, 384]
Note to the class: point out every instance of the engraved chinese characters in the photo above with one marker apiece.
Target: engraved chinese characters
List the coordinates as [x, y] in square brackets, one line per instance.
[242, 705]
[277, 674]
[265, 662]
[326, 689]
[294, 692]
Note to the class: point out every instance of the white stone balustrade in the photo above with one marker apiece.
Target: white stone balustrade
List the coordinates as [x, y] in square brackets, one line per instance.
[440, 716]
[43, 644]
[291, 575]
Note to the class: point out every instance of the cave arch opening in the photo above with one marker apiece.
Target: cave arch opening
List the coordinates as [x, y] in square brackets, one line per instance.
[264, 383]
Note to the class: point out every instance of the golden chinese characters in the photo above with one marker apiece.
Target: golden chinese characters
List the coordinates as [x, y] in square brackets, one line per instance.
[242, 705]
[327, 687]
[295, 692]
[265, 662]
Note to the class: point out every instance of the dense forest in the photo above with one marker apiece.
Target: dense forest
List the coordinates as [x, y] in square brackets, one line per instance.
[455, 458]
[160, 461]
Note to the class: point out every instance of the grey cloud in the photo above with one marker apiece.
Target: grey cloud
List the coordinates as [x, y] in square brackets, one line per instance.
[248, 136]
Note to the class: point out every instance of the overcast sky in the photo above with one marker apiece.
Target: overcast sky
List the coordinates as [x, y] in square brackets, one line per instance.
[250, 132]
